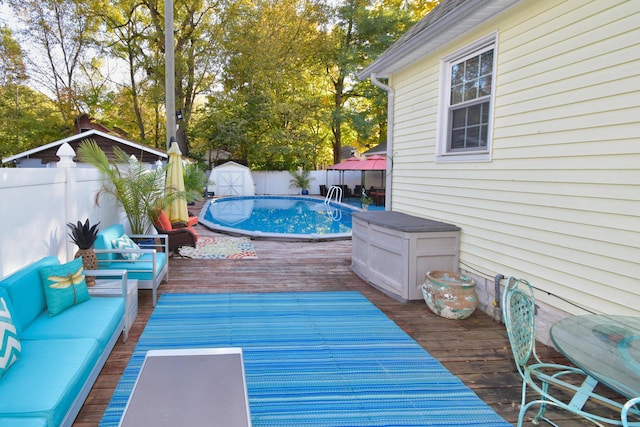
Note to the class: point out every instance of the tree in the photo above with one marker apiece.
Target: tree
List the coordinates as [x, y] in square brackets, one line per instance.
[12, 68]
[362, 30]
[278, 77]
[27, 118]
[127, 24]
[275, 89]
[197, 33]
[61, 32]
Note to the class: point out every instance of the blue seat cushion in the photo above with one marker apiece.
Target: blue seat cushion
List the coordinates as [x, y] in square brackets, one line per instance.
[45, 381]
[145, 262]
[95, 318]
[103, 241]
[25, 290]
[19, 421]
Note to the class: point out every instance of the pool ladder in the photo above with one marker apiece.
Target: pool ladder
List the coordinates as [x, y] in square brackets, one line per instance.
[333, 195]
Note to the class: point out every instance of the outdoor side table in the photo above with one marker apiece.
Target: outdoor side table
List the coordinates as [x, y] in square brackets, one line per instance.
[113, 287]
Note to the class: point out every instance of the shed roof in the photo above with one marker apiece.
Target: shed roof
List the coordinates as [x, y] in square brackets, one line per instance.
[448, 21]
[47, 153]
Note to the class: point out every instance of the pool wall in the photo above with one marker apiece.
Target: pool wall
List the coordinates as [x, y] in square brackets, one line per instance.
[259, 235]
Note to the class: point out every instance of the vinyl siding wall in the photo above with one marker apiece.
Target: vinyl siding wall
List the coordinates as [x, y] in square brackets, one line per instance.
[559, 203]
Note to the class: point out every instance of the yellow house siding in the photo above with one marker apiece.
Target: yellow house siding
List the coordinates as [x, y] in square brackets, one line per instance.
[559, 203]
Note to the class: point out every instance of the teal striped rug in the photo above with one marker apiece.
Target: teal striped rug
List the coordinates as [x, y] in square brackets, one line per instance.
[313, 359]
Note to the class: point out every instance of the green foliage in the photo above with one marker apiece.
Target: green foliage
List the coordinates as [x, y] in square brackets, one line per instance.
[12, 68]
[194, 182]
[137, 189]
[29, 120]
[301, 179]
[60, 34]
[271, 83]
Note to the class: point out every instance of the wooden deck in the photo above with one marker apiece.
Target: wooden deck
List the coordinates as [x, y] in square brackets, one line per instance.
[475, 349]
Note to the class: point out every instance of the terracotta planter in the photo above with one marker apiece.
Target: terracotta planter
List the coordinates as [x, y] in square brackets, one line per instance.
[449, 294]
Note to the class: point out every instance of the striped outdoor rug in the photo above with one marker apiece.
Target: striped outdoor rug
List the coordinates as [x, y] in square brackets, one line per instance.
[313, 359]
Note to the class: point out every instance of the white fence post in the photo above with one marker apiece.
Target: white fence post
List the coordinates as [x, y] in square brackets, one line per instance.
[66, 154]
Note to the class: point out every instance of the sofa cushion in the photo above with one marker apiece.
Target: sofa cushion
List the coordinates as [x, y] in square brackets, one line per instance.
[163, 220]
[103, 241]
[45, 381]
[26, 293]
[124, 242]
[96, 318]
[19, 421]
[64, 286]
[9, 341]
[142, 269]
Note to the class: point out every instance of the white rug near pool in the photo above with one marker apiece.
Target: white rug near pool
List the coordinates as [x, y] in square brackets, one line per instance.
[220, 248]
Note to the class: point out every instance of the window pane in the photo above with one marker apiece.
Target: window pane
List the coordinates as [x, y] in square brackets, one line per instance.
[484, 135]
[470, 90]
[485, 112]
[459, 118]
[456, 74]
[473, 115]
[484, 86]
[486, 63]
[457, 139]
[473, 137]
[472, 68]
[456, 94]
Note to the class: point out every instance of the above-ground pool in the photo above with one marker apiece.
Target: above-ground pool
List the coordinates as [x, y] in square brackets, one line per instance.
[279, 217]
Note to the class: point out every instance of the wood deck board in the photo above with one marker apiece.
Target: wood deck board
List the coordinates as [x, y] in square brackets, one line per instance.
[475, 349]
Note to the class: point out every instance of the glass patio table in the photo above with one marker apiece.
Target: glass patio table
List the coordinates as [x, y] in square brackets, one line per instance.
[606, 347]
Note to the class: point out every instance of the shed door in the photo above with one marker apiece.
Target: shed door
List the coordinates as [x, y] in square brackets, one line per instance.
[231, 183]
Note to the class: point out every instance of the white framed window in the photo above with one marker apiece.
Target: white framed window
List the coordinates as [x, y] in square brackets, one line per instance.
[465, 114]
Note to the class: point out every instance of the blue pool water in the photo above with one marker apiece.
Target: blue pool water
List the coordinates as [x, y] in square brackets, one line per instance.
[283, 217]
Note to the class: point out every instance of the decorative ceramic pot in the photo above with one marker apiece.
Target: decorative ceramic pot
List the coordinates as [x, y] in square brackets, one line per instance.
[449, 294]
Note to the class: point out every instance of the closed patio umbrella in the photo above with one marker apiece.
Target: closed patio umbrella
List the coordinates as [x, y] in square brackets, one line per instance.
[177, 209]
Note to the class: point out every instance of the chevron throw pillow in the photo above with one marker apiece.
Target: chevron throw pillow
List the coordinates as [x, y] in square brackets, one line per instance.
[9, 342]
[125, 242]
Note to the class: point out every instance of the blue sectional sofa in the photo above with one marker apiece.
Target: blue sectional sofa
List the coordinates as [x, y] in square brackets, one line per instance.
[61, 356]
[151, 265]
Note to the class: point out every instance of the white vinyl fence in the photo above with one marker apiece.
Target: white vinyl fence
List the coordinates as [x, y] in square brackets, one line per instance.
[37, 204]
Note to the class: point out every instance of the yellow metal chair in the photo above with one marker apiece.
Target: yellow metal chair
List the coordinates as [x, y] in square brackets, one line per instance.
[518, 309]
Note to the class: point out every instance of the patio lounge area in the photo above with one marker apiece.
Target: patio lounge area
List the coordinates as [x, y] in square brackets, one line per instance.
[475, 349]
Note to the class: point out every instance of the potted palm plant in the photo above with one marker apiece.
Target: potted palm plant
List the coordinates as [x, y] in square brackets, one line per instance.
[139, 190]
[365, 201]
[84, 235]
[301, 179]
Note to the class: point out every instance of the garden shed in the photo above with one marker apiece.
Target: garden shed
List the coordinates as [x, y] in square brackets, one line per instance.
[231, 179]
